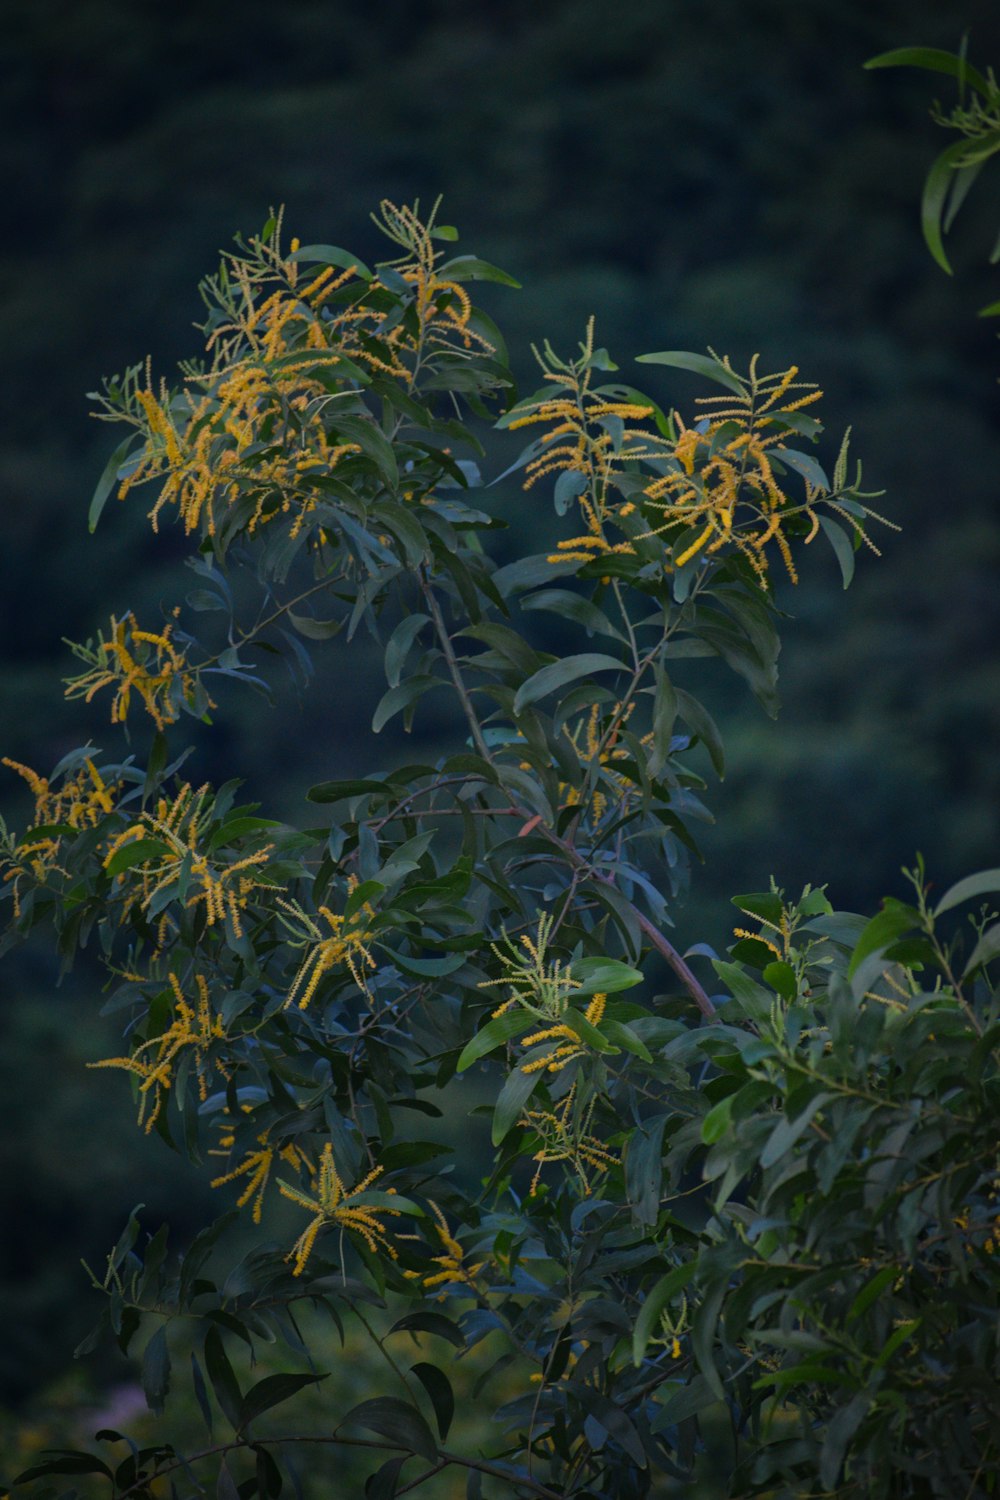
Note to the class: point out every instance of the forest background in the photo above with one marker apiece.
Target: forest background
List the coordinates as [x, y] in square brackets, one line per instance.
[694, 174]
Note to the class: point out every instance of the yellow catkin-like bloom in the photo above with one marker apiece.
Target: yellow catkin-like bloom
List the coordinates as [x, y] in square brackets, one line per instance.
[82, 801]
[595, 740]
[282, 345]
[541, 985]
[332, 1204]
[256, 1167]
[145, 662]
[564, 1132]
[194, 1026]
[570, 1045]
[723, 481]
[345, 944]
[452, 1261]
[222, 886]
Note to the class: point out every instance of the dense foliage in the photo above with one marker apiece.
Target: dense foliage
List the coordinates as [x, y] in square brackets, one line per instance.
[738, 1241]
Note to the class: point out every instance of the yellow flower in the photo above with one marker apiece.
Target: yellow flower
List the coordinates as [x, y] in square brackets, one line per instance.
[346, 943]
[144, 661]
[223, 887]
[332, 1204]
[452, 1261]
[195, 1026]
[82, 801]
[256, 1166]
[564, 1132]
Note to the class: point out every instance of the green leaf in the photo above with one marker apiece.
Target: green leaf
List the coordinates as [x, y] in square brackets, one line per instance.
[427, 968]
[339, 791]
[67, 1461]
[402, 696]
[399, 645]
[517, 1090]
[430, 1322]
[438, 1387]
[839, 1432]
[803, 464]
[107, 481]
[766, 905]
[644, 1169]
[933, 60]
[656, 1300]
[701, 364]
[560, 674]
[314, 630]
[843, 548]
[787, 1132]
[625, 1037]
[698, 719]
[223, 1378]
[718, 1121]
[269, 1392]
[871, 1291]
[937, 186]
[664, 718]
[781, 977]
[135, 853]
[501, 1029]
[156, 1370]
[471, 268]
[985, 883]
[602, 976]
[331, 255]
[985, 951]
[881, 932]
[396, 1420]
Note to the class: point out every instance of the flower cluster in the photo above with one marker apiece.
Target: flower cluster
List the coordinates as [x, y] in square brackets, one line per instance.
[174, 856]
[253, 436]
[346, 943]
[333, 1204]
[564, 1135]
[153, 1062]
[81, 801]
[145, 662]
[256, 1165]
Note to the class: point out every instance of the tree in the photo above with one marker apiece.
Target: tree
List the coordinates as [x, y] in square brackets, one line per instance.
[740, 1241]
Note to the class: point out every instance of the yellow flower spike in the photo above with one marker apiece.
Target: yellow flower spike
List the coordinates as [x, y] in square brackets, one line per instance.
[195, 1026]
[332, 1205]
[346, 944]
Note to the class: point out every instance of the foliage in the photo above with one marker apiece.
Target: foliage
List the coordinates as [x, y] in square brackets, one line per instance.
[976, 119]
[742, 1241]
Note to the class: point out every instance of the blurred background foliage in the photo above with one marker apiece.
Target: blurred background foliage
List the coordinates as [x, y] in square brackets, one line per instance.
[693, 174]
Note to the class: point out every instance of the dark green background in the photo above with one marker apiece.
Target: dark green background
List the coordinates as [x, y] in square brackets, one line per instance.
[692, 173]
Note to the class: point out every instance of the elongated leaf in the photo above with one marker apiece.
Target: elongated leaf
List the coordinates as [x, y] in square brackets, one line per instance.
[664, 718]
[603, 976]
[107, 481]
[331, 255]
[136, 853]
[501, 1029]
[985, 951]
[430, 1322]
[656, 1300]
[933, 60]
[399, 645]
[559, 674]
[698, 718]
[396, 1420]
[514, 1095]
[156, 1370]
[438, 1387]
[881, 932]
[471, 268]
[271, 1391]
[843, 548]
[937, 186]
[402, 696]
[985, 883]
[223, 1377]
[700, 364]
